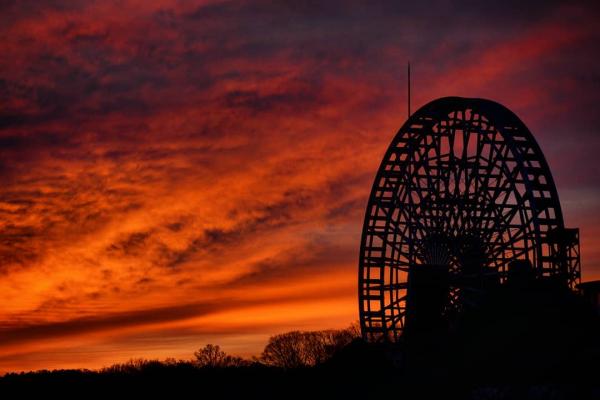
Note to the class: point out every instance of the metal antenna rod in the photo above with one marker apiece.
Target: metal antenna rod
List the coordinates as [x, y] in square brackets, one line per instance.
[409, 89]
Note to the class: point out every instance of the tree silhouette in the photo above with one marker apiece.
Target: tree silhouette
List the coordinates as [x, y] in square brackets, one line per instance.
[298, 349]
[211, 356]
[285, 350]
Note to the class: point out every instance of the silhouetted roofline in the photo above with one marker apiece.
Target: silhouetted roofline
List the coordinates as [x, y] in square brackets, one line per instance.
[594, 285]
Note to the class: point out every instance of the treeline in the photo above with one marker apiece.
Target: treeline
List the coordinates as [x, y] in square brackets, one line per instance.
[295, 349]
[292, 365]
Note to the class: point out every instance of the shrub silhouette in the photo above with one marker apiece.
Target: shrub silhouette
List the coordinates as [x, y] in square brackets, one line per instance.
[142, 365]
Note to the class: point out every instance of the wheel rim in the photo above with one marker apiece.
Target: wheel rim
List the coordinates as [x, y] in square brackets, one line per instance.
[465, 185]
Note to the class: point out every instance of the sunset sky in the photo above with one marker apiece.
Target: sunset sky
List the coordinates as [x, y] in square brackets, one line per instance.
[177, 173]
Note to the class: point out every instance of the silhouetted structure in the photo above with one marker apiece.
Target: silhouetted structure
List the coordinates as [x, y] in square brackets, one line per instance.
[463, 204]
[591, 292]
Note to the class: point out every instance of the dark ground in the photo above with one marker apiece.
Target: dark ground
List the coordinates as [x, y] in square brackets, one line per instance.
[334, 382]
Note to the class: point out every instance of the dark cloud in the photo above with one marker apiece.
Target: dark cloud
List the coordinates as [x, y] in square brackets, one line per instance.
[312, 259]
[131, 245]
[36, 141]
[257, 102]
[14, 248]
[145, 281]
[9, 335]
[253, 223]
